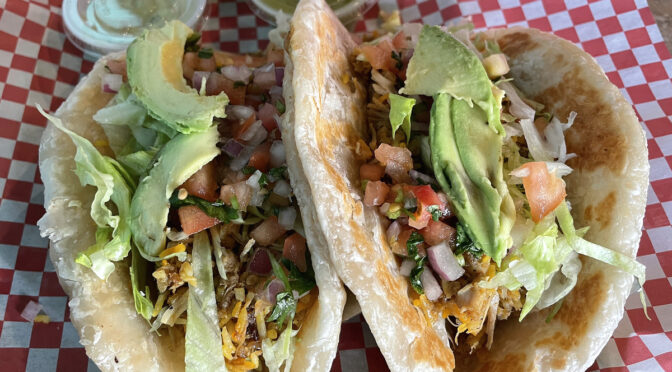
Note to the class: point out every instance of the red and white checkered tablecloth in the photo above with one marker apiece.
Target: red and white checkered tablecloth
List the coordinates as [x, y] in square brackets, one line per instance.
[39, 65]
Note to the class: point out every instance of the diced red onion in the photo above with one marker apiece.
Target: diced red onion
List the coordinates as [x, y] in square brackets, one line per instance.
[275, 91]
[237, 73]
[239, 112]
[282, 188]
[266, 115]
[430, 285]
[253, 181]
[279, 74]
[260, 263]
[253, 134]
[31, 310]
[443, 261]
[197, 79]
[264, 76]
[269, 67]
[272, 289]
[277, 154]
[406, 56]
[286, 217]
[112, 83]
[406, 267]
[240, 161]
[232, 148]
[393, 231]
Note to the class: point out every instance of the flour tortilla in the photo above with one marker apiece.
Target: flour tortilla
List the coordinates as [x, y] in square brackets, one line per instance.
[103, 312]
[607, 191]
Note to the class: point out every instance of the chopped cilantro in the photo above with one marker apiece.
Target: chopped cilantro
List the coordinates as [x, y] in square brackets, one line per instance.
[263, 180]
[205, 53]
[234, 202]
[248, 169]
[435, 211]
[280, 106]
[278, 172]
[285, 307]
[221, 211]
[464, 244]
[191, 45]
[364, 183]
[300, 281]
[414, 253]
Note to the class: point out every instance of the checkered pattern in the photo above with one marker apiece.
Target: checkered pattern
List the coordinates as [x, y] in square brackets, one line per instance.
[39, 65]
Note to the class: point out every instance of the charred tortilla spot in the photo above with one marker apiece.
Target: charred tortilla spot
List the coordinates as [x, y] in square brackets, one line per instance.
[577, 312]
[511, 362]
[591, 138]
[516, 43]
[601, 212]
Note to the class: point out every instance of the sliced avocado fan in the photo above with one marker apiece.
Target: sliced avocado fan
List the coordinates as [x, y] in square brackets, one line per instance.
[465, 139]
[467, 162]
[154, 66]
[442, 64]
[181, 157]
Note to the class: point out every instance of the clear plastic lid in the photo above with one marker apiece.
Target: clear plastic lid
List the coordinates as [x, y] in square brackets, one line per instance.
[100, 27]
[348, 11]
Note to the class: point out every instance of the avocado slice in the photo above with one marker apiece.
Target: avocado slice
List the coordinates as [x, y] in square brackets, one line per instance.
[181, 157]
[466, 158]
[442, 64]
[154, 66]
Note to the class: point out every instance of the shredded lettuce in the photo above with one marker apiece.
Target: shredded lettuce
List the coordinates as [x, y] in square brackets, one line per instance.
[100, 171]
[203, 342]
[400, 114]
[143, 305]
[281, 350]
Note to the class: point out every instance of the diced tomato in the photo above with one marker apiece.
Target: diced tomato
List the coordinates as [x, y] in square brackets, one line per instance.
[235, 92]
[371, 172]
[207, 64]
[241, 190]
[244, 126]
[261, 157]
[266, 112]
[544, 191]
[193, 219]
[399, 41]
[425, 197]
[386, 153]
[420, 218]
[276, 56]
[379, 55]
[189, 64]
[295, 250]
[436, 232]
[268, 231]
[203, 183]
[376, 192]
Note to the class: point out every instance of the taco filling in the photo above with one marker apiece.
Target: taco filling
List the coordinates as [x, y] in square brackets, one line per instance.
[467, 172]
[199, 191]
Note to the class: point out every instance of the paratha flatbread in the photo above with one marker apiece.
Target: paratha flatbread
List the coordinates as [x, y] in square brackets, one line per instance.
[607, 191]
[103, 312]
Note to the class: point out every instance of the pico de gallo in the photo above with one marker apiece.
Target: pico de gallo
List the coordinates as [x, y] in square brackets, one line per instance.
[474, 251]
[231, 255]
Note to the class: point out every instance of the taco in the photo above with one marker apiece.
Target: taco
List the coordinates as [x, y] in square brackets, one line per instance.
[481, 193]
[195, 248]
